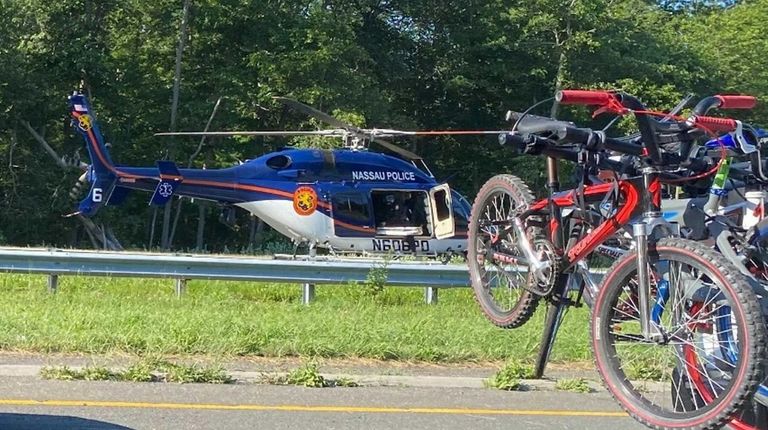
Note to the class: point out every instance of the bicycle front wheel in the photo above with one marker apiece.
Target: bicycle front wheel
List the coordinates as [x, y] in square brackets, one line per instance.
[705, 359]
[499, 285]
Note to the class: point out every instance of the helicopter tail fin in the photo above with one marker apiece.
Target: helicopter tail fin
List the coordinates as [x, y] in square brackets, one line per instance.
[85, 123]
[101, 173]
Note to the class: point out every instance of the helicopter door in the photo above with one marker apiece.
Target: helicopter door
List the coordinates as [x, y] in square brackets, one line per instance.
[442, 215]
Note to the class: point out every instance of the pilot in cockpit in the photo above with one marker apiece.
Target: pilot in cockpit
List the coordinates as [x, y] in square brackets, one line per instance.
[398, 211]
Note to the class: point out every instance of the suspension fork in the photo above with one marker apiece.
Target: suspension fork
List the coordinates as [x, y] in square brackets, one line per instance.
[556, 230]
[641, 231]
[555, 214]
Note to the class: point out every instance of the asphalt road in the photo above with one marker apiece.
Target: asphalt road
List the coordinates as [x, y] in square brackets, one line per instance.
[30, 403]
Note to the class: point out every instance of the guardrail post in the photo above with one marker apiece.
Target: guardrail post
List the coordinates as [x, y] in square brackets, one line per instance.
[307, 293]
[430, 295]
[181, 287]
[53, 283]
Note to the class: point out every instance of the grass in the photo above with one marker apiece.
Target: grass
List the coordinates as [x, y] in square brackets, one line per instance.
[64, 373]
[151, 370]
[508, 377]
[307, 375]
[575, 385]
[144, 317]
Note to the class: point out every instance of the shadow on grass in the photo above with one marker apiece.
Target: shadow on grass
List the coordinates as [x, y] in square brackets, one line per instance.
[53, 422]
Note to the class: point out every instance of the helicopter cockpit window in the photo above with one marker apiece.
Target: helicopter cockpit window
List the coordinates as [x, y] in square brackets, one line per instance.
[443, 211]
[400, 212]
[351, 206]
[279, 162]
[460, 215]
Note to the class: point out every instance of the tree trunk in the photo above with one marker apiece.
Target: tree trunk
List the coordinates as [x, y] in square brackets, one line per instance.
[165, 235]
[559, 79]
[200, 225]
[189, 164]
[41, 140]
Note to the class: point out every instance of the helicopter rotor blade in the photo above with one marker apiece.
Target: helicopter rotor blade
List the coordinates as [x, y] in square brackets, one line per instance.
[318, 114]
[396, 149]
[365, 134]
[375, 135]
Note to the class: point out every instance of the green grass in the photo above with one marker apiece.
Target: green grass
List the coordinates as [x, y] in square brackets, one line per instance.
[144, 317]
[148, 370]
[307, 376]
[508, 377]
[575, 385]
[65, 373]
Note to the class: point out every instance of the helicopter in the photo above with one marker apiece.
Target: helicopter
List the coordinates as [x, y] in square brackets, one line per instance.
[343, 200]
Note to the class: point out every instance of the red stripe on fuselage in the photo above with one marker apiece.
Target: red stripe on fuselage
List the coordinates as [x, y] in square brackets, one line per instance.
[121, 174]
[364, 229]
[101, 156]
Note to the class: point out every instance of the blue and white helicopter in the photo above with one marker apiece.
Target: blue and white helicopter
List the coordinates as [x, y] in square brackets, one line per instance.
[344, 200]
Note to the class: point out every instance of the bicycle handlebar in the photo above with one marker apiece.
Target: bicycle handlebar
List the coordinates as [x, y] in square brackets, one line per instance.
[595, 143]
[737, 102]
[542, 135]
[584, 97]
[724, 102]
[711, 123]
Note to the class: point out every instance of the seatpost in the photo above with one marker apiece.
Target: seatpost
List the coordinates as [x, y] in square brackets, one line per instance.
[553, 184]
[553, 178]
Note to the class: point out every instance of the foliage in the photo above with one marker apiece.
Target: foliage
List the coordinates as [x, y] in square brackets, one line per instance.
[376, 279]
[307, 376]
[148, 370]
[576, 385]
[231, 319]
[65, 373]
[453, 64]
[646, 370]
[508, 377]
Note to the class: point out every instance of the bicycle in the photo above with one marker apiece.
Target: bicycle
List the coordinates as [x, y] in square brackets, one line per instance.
[510, 231]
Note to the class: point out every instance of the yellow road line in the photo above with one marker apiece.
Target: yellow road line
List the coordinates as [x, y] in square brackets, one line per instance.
[300, 408]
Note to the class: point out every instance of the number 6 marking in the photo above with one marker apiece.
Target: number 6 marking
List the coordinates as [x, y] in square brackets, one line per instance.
[97, 196]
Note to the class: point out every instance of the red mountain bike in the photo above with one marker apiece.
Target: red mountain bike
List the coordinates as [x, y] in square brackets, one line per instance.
[660, 306]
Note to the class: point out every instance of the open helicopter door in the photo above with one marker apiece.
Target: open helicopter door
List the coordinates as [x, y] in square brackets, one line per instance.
[442, 214]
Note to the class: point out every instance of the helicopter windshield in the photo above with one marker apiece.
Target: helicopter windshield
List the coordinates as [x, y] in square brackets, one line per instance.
[461, 209]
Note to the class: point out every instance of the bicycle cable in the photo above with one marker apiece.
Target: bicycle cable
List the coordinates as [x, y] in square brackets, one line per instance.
[530, 108]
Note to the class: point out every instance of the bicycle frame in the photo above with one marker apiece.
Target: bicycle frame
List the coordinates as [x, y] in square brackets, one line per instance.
[572, 232]
[638, 198]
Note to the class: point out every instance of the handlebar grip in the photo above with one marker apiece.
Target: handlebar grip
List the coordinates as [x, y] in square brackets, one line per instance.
[737, 102]
[514, 141]
[711, 123]
[575, 135]
[583, 97]
[622, 146]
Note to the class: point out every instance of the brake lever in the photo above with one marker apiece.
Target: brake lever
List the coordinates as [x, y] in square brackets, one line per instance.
[744, 144]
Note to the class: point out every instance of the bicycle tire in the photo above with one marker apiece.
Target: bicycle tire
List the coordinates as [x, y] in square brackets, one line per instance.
[609, 312]
[524, 304]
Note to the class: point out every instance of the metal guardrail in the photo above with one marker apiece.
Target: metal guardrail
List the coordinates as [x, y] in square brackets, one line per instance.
[56, 262]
